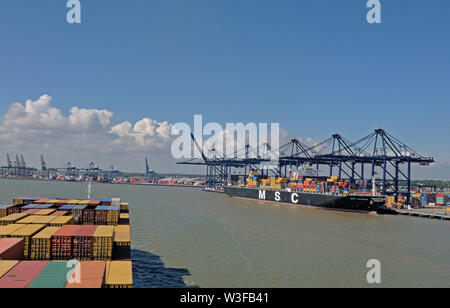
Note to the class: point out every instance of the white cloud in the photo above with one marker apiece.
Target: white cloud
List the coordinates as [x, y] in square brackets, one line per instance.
[37, 127]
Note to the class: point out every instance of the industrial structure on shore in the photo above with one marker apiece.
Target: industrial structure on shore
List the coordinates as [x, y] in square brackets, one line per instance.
[378, 154]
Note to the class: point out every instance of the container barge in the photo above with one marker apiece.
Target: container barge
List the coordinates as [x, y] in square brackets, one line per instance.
[311, 191]
[45, 241]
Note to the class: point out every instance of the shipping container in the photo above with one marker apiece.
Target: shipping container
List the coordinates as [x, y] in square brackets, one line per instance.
[45, 212]
[27, 232]
[11, 248]
[62, 242]
[103, 243]
[119, 274]
[54, 275]
[21, 275]
[13, 218]
[4, 210]
[29, 219]
[59, 213]
[6, 266]
[41, 244]
[91, 274]
[122, 235]
[82, 242]
[30, 211]
[60, 221]
[45, 220]
[5, 231]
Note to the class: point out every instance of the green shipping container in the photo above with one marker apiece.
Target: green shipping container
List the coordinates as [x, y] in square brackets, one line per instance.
[54, 275]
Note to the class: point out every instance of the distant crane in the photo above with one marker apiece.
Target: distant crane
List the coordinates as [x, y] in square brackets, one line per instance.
[17, 162]
[149, 173]
[43, 163]
[24, 165]
[8, 160]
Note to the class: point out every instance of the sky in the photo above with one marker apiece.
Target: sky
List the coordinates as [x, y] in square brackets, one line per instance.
[109, 89]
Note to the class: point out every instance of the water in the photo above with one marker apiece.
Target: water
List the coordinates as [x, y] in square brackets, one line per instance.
[185, 237]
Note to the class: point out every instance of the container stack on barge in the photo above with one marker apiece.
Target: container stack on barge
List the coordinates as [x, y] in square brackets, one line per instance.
[44, 241]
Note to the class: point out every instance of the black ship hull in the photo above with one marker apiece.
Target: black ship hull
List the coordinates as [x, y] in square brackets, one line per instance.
[362, 204]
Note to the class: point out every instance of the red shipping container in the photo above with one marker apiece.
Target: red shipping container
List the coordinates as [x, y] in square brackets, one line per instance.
[11, 248]
[82, 242]
[22, 274]
[62, 242]
[89, 216]
[13, 210]
[30, 211]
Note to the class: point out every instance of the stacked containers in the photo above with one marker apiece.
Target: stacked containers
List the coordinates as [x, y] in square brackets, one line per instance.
[119, 274]
[82, 242]
[62, 242]
[66, 207]
[21, 275]
[45, 220]
[27, 232]
[440, 199]
[41, 244]
[30, 211]
[11, 248]
[103, 243]
[13, 210]
[29, 219]
[44, 212]
[91, 275]
[88, 216]
[54, 275]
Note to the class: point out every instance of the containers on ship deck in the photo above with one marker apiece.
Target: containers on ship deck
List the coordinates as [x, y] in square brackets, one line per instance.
[11, 248]
[27, 232]
[91, 275]
[78, 211]
[103, 243]
[41, 244]
[54, 275]
[62, 242]
[119, 274]
[82, 242]
[6, 266]
[21, 275]
[88, 215]
[28, 220]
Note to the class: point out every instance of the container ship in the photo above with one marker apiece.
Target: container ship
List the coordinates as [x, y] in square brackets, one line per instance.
[310, 190]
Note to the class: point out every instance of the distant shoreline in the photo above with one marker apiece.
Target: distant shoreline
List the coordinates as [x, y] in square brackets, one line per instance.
[132, 184]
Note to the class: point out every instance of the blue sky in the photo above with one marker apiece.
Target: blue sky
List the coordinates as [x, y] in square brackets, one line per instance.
[316, 67]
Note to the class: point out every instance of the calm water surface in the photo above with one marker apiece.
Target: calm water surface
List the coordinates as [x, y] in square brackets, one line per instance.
[186, 237]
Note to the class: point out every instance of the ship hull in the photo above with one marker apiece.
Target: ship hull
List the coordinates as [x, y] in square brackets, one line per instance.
[360, 204]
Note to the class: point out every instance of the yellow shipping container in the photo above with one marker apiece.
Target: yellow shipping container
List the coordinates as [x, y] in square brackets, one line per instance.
[6, 266]
[119, 274]
[5, 231]
[103, 243]
[29, 220]
[45, 212]
[124, 216]
[60, 221]
[13, 218]
[45, 220]
[124, 206]
[26, 233]
[41, 244]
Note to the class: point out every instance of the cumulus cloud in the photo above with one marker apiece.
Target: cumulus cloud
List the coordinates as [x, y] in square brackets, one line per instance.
[38, 126]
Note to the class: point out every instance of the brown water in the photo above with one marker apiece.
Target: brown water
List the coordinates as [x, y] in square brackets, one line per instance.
[186, 237]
